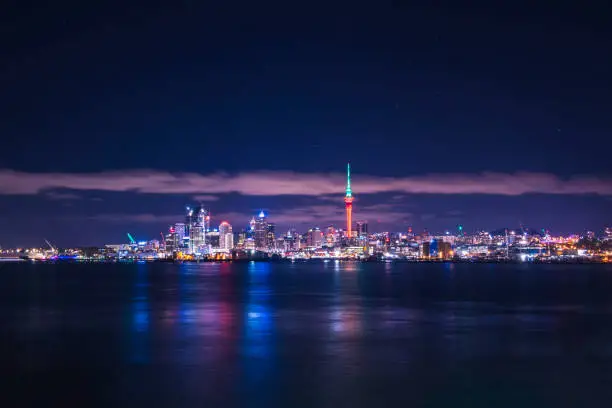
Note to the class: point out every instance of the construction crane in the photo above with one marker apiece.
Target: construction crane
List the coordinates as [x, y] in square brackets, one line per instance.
[163, 239]
[50, 246]
[132, 240]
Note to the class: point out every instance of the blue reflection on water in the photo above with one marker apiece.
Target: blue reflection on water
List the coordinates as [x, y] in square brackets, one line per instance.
[184, 313]
[140, 317]
[258, 342]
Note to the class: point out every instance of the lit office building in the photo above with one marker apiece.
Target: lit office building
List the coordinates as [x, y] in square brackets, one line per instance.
[226, 236]
[213, 238]
[250, 233]
[180, 231]
[242, 236]
[249, 244]
[261, 231]
[197, 225]
[330, 236]
[362, 228]
[291, 241]
[270, 237]
[314, 238]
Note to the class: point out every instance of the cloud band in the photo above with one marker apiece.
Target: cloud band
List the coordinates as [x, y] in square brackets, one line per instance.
[292, 183]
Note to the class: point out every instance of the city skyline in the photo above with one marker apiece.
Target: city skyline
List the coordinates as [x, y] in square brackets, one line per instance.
[199, 219]
[118, 116]
[327, 210]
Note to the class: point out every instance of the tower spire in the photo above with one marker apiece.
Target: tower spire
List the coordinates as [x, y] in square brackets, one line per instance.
[349, 193]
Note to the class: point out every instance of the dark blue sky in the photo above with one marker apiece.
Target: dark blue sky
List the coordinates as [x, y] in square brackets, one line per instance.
[245, 87]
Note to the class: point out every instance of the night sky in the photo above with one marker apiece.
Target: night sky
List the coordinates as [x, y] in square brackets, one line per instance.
[115, 117]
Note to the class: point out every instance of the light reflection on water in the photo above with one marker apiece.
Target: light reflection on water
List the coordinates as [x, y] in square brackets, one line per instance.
[140, 320]
[333, 334]
[258, 319]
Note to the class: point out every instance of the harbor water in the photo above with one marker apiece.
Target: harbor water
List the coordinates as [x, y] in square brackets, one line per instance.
[328, 334]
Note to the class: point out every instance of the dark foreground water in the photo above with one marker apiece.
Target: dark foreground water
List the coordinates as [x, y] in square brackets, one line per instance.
[305, 335]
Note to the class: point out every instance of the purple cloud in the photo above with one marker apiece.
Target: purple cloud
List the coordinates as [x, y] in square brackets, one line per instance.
[136, 218]
[291, 183]
[205, 197]
[55, 195]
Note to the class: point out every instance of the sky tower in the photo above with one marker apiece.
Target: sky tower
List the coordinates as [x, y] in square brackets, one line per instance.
[348, 202]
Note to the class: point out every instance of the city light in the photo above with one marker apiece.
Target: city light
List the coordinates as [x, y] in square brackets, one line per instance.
[195, 240]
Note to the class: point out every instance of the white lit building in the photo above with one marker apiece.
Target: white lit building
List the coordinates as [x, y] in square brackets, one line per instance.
[226, 236]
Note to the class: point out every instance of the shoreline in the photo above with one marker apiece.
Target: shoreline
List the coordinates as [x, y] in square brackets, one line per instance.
[314, 261]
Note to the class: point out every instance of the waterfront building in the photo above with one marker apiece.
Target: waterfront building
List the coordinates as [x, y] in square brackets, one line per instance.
[444, 250]
[249, 244]
[426, 249]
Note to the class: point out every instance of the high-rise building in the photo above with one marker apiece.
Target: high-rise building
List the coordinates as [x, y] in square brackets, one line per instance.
[261, 231]
[242, 237]
[348, 203]
[444, 250]
[291, 241]
[250, 233]
[196, 225]
[426, 249]
[249, 244]
[170, 240]
[226, 236]
[179, 230]
[330, 236]
[314, 238]
[270, 237]
[362, 228]
[213, 238]
[176, 237]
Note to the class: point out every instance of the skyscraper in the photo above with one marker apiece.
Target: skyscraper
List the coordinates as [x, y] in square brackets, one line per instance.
[270, 237]
[362, 228]
[251, 229]
[213, 239]
[261, 231]
[181, 233]
[330, 236]
[314, 238]
[226, 236]
[292, 240]
[348, 202]
[196, 225]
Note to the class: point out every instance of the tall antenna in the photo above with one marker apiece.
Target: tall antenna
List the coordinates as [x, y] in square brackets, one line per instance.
[349, 193]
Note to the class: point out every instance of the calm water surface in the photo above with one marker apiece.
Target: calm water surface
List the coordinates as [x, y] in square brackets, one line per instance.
[306, 335]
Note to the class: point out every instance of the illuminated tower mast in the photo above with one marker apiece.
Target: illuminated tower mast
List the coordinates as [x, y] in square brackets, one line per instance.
[348, 201]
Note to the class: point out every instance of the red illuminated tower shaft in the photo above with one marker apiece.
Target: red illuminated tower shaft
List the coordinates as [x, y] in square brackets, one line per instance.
[348, 202]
